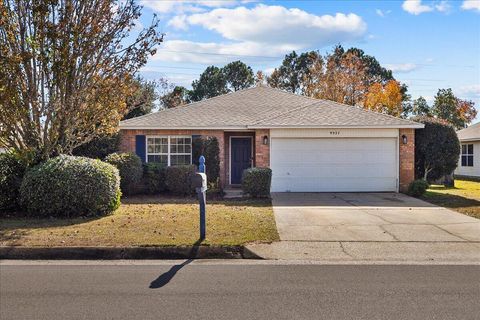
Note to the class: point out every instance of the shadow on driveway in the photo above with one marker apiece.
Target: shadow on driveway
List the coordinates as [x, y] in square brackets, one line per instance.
[347, 199]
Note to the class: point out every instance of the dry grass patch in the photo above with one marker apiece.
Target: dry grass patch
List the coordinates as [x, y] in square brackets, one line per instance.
[149, 221]
[464, 197]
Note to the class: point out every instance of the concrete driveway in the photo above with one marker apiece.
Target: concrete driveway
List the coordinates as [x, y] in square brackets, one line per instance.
[376, 217]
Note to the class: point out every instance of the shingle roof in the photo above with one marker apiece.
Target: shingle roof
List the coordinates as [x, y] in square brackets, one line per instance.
[469, 134]
[263, 107]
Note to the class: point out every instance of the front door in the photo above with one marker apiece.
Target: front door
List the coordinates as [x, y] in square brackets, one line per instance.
[241, 158]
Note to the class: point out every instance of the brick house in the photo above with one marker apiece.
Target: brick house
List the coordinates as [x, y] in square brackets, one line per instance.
[311, 145]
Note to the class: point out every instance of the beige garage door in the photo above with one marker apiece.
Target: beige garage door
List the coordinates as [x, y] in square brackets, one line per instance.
[334, 165]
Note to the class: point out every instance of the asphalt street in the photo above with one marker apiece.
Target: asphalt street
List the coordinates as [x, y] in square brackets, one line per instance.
[236, 290]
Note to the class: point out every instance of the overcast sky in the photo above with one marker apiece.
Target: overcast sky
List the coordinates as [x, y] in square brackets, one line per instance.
[428, 44]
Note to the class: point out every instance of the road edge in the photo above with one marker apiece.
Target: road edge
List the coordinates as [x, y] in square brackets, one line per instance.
[122, 253]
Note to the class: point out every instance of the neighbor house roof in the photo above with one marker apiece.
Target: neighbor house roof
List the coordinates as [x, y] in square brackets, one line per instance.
[264, 107]
[471, 133]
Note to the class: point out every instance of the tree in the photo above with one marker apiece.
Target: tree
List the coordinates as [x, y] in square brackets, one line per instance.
[259, 78]
[99, 148]
[178, 96]
[421, 107]
[437, 149]
[466, 111]
[142, 99]
[66, 69]
[385, 99]
[294, 70]
[340, 78]
[344, 76]
[374, 71]
[455, 111]
[238, 75]
[212, 82]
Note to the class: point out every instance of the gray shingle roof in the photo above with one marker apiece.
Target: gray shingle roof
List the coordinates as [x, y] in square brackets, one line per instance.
[470, 134]
[263, 107]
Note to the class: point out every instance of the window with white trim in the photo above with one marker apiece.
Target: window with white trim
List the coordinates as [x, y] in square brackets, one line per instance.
[169, 150]
[467, 155]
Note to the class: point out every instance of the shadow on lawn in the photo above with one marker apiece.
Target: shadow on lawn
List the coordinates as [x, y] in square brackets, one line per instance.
[166, 277]
[441, 187]
[450, 200]
[168, 199]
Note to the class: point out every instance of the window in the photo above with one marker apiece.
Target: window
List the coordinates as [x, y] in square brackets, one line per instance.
[467, 155]
[169, 150]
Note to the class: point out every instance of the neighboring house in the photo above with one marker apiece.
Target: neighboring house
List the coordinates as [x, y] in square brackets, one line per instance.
[469, 161]
[311, 145]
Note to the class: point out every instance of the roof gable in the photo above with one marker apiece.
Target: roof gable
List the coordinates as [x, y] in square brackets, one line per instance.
[262, 107]
[470, 133]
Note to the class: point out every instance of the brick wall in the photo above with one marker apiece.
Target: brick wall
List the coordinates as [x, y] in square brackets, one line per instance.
[127, 142]
[407, 158]
[262, 152]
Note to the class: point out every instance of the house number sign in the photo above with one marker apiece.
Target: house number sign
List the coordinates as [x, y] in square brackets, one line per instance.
[334, 133]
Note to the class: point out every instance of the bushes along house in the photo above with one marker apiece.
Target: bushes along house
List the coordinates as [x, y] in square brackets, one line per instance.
[12, 169]
[256, 181]
[68, 186]
[130, 168]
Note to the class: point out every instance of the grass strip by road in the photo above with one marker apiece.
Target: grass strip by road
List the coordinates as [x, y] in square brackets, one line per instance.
[464, 197]
[148, 221]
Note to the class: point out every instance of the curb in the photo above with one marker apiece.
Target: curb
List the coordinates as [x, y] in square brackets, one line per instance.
[117, 253]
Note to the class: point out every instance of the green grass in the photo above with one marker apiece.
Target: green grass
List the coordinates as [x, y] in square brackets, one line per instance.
[464, 197]
[149, 221]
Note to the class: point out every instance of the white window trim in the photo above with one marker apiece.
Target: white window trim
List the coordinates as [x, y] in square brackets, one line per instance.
[467, 154]
[168, 154]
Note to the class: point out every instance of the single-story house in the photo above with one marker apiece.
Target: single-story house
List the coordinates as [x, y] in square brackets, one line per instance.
[469, 161]
[311, 145]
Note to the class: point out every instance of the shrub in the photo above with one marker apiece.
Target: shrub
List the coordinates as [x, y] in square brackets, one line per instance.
[71, 186]
[437, 149]
[209, 148]
[154, 178]
[256, 181]
[12, 169]
[179, 179]
[417, 188]
[98, 148]
[130, 167]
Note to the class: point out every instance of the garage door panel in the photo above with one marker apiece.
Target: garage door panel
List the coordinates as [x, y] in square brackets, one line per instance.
[323, 165]
[339, 171]
[341, 185]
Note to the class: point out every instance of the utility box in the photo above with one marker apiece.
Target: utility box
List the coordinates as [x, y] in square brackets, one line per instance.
[199, 182]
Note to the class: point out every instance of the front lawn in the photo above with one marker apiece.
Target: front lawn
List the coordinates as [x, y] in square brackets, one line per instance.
[149, 221]
[464, 197]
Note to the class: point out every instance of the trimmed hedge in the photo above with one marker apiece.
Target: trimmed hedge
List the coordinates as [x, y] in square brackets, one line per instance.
[178, 179]
[417, 188]
[12, 170]
[130, 168]
[256, 181]
[68, 186]
[154, 178]
[437, 149]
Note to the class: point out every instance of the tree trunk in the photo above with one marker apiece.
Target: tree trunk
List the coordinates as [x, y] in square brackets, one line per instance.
[449, 180]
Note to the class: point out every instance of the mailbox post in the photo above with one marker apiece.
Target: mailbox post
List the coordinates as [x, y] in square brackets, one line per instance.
[200, 183]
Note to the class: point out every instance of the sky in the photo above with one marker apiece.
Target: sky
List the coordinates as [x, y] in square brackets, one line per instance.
[427, 44]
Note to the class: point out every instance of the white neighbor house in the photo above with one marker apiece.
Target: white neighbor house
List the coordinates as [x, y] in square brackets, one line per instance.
[469, 161]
